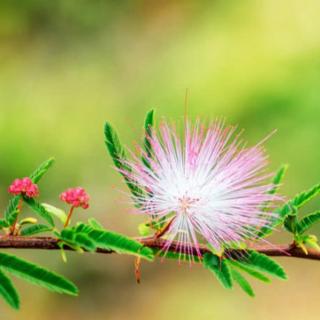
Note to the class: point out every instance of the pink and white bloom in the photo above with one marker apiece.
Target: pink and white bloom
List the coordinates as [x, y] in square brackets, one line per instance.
[210, 186]
[24, 186]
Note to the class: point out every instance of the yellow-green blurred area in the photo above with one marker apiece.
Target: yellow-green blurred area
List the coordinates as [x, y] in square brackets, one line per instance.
[67, 66]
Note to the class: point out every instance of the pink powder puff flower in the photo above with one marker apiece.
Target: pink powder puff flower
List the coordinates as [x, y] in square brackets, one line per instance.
[206, 184]
[76, 197]
[25, 187]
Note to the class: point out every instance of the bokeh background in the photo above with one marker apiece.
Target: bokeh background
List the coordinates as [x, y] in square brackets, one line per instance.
[67, 66]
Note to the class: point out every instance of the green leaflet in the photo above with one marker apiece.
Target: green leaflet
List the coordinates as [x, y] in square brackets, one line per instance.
[148, 124]
[263, 263]
[307, 222]
[3, 223]
[28, 220]
[81, 240]
[12, 210]
[278, 178]
[95, 223]
[290, 222]
[114, 146]
[219, 268]
[85, 242]
[249, 269]
[34, 229]
[120, 243]
[266, 230]
[36, 274]
[290, 208]
[8, 291]
[303, 197]
[90, 238]
[39, 209]
[243, 283]
[299, 200]
[119, 157]
[36, 175]
[59, 213]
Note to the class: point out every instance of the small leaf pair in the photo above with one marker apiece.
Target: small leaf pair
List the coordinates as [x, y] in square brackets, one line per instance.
[253, 263]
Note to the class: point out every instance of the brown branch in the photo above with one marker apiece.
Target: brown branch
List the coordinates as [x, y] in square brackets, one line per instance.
[49, 243]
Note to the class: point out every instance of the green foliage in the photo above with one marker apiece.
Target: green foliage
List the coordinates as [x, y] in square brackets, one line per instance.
[278, 178]
[289, 212]
[39, 209]
[59, 213]
[148, 124]
[243, 283]
[303, 197]
[118, 155]
[3, 224]
[299, 200]
[78, 239]
[95, 223]
[263, 263]
[12, 211]
[291, 220]
[8, 291]
[28, 220]
[219, 268]
[249, 270]
[298, 228]
[307, 222]
[36, 274]
[253, 263]
[34, 229]
[286, 214]
[114, 146]
[91, 238]
[36, 175]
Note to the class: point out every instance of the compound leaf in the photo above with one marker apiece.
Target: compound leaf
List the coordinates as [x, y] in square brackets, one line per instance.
[219, 268]
[36, 275]
[8, 291]
[36, 175]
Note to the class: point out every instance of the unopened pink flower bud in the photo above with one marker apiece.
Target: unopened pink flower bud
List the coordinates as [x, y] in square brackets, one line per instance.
[77, 197]
[25, 187]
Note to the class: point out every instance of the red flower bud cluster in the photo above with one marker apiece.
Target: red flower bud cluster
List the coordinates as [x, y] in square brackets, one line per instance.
[25, 187]
[77, 197]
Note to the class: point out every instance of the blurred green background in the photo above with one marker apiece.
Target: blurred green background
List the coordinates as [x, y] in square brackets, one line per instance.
[67, 66]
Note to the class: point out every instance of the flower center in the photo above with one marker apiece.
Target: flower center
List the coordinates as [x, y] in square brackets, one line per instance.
[186, 202]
